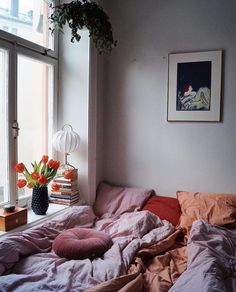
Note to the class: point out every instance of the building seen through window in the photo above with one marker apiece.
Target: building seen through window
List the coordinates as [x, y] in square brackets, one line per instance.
[27, 19]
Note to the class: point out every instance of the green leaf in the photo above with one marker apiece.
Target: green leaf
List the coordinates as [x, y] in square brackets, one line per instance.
[43, 169]
[77, 15]
[39, 166]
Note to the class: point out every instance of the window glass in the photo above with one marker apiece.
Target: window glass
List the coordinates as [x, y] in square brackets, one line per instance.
[4, 195]
[27, 19]
[34, 106]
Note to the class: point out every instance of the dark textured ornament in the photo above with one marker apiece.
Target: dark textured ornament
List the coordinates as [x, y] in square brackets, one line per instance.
[40, 200]
[9, 208]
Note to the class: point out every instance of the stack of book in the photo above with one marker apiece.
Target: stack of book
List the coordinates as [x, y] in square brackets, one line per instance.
[68, 194]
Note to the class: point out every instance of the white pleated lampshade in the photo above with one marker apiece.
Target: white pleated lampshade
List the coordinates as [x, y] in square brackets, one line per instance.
[66, 140]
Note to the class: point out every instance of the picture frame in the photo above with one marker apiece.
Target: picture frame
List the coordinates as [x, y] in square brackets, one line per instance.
[194, 86]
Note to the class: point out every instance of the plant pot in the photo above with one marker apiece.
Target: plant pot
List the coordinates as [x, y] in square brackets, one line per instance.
[40, 200]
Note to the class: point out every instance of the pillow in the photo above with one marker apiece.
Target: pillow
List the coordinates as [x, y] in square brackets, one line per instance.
[81, 243]
[117, 200]
[215, 208]
[164, 207]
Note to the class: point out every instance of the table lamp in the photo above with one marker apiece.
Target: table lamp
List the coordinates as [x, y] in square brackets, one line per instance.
[66, 140]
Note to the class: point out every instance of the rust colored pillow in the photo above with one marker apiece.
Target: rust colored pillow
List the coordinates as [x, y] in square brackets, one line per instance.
[165, 207]
[215, 208]
[81, 243]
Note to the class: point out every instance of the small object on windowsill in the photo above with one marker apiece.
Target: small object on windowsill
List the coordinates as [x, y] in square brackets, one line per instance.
[9, 208]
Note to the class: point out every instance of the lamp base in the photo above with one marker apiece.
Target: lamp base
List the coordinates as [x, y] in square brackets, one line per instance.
[63, 167]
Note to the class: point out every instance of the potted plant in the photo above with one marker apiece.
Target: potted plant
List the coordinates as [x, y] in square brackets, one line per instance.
[38, 180]
[81, 14]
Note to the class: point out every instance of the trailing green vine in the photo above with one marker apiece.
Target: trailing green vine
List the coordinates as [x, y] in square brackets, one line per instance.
[81, 13]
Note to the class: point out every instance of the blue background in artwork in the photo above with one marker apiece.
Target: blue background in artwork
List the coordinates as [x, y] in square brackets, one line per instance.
[197, 74]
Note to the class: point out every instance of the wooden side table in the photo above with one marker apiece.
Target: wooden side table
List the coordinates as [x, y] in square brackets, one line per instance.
[10, 220]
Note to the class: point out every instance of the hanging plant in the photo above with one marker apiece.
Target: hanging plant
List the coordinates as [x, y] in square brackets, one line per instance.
[81, 13]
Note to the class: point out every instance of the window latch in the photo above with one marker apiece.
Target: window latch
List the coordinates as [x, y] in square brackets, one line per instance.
[15, 128]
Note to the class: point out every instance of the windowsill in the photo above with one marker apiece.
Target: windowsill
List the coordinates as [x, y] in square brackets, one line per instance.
[34, 219]
[53, 209]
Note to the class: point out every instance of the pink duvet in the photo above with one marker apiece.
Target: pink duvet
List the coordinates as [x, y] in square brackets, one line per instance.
[28, 264]
[211, 260]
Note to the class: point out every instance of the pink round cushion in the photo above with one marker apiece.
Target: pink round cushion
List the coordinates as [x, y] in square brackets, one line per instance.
[81, 243]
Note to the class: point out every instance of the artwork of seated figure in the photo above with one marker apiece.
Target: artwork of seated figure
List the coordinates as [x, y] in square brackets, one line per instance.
[194, 100]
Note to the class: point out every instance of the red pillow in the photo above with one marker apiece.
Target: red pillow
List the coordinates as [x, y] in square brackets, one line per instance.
[164, 207]
[81, 243]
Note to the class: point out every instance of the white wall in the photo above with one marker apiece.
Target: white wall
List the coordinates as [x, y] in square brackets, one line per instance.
[74, 99]
[140, 147]
[81, 105]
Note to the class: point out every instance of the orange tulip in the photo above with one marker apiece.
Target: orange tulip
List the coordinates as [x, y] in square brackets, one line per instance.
[42, 180]
[55, 187]
[41, 174]
[45, 159]
[68, 174]
[53, 164]
[35, 175]
[30, 186]
[21, 183]
[57, 164]
[19, 167]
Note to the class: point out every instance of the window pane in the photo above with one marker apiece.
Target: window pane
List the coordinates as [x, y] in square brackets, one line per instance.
[27, 19]
[4, 164]
[34, 100]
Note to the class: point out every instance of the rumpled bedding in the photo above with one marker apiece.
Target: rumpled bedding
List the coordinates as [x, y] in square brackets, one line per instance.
[205, 263]
[211, 260]
[27, 262]
[154, 269]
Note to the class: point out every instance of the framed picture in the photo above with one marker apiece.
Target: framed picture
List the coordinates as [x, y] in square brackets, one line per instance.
[194, 86]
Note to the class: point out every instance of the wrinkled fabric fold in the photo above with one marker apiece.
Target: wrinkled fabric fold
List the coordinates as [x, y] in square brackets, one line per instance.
[28, 264]
[211, 260]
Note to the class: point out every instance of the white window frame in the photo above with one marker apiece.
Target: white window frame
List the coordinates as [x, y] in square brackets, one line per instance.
[16, 45]
[4, 35]
[32, 46]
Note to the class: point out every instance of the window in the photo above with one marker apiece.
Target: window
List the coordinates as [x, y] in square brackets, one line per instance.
[4, 165]
[27, 103]
[33, 109]
[27, 19]
[14, 31]
[4, 27]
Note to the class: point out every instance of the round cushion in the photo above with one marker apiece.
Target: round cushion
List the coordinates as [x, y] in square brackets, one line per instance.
[81, 243]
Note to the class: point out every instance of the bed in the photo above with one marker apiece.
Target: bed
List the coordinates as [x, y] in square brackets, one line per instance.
[187, 243]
